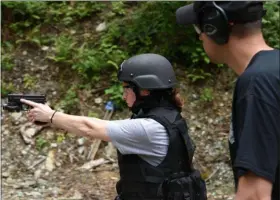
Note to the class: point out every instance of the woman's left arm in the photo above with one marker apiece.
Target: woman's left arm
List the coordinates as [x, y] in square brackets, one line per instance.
[79, 125]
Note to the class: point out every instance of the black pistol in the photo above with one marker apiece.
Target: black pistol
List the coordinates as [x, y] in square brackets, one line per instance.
[14, 104]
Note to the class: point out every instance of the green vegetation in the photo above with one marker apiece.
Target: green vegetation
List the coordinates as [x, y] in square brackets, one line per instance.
[6, 88]
[7, 56]
[68, 28]
[29, 81]
[196, 74]
[60, 137]
[40, 143]
[207, 95]
[271, 26]
[70, 101]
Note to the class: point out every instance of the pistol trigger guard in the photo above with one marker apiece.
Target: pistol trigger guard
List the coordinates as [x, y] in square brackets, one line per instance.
[26, 107]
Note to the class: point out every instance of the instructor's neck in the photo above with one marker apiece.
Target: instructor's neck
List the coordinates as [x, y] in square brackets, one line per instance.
[241, 51]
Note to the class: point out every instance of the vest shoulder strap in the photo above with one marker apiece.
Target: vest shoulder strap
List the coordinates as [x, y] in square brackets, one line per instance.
[171, 119]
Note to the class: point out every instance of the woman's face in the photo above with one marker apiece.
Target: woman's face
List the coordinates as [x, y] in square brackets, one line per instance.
[128, 95]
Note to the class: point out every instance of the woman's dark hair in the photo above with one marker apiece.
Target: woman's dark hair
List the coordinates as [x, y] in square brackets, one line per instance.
[172, 95]
[177, 100]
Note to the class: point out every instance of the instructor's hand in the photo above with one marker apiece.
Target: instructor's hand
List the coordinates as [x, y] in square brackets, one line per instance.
[39, 112]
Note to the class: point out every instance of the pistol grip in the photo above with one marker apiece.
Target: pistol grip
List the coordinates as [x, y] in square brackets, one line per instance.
[40, 123]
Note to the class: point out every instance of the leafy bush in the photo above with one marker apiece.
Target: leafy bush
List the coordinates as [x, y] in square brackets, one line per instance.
[132, 28]
[90, 61]
[116, 93]
[6, 88]
[64, 49]
[207, 95]
[29, 81]
[7, 55]
[27, 14]
[70, 101]
[6, 62]
[198, 74]
[271, 26]
[40, 143]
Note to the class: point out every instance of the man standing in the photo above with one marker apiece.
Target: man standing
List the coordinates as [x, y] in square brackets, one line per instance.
[231, 34]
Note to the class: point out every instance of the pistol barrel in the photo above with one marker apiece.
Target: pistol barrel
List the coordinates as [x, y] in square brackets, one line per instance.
[35, 98]
[14, 103]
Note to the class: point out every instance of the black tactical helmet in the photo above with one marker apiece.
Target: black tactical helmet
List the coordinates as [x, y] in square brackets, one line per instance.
[148, 71]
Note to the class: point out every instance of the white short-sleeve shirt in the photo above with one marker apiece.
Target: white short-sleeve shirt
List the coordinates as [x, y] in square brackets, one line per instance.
[143, 136]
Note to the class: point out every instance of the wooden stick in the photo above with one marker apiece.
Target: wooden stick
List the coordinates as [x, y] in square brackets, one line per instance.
[96, 143]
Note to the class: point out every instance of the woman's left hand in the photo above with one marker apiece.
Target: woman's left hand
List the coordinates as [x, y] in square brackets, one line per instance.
[39, 112]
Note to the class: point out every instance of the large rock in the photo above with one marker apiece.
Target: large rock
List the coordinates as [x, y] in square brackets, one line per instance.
[28, 131]
[101, 27]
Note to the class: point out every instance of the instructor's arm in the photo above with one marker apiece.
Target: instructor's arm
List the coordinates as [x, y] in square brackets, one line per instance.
[253, 187]
[79, 125]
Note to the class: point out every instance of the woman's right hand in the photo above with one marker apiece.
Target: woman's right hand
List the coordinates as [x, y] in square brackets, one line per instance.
[39, 112]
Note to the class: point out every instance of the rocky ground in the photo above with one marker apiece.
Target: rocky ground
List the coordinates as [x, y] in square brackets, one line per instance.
[40, 163]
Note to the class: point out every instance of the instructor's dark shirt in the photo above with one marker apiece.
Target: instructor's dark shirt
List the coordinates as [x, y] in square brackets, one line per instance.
[255, 129]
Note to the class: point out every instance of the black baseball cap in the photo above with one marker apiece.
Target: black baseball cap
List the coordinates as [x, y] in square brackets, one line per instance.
[236, 11]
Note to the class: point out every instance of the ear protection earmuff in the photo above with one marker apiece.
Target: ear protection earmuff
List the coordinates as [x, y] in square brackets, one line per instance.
[214, 23]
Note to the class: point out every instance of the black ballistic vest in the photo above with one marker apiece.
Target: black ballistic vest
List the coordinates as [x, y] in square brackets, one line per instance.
[174, 178]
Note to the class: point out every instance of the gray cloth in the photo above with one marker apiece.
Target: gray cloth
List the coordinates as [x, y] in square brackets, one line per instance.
[145, 137]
